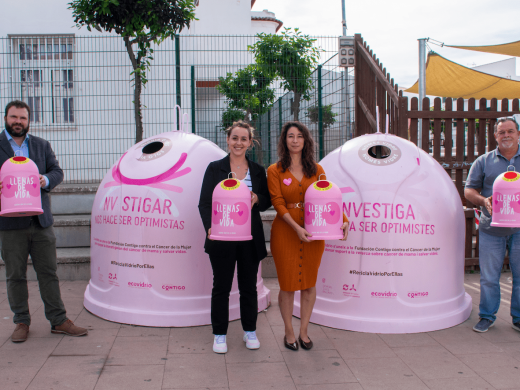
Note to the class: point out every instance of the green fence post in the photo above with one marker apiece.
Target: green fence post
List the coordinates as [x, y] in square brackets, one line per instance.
[269, 133]
[193, 99]
[320, 116]
[280, 115]
[178, 75]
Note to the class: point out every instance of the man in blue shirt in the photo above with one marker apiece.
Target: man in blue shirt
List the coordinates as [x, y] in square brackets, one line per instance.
[493, 240]
[34, 236]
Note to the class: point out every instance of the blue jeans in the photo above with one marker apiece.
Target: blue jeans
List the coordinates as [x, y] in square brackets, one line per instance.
[492, 252]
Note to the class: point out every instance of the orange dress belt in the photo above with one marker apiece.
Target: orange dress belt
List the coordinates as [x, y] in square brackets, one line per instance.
[299, 205]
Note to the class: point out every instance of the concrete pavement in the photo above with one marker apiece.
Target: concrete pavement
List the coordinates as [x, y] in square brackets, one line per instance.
[115, 356]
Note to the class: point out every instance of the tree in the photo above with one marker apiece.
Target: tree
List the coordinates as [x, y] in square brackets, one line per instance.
[247, 92]
[140, 23]
[290, 56]
[327, 115]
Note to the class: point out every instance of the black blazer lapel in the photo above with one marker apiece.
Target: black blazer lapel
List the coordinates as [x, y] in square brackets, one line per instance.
[225, 166]
[5, 145]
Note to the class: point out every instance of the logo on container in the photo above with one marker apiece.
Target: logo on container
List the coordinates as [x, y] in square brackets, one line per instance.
[139, 285]
[418, 294]
[326, 288]
[384, 294]
[349, 290]
[168, 288]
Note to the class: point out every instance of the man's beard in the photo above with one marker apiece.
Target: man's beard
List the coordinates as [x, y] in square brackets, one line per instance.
[12, 132]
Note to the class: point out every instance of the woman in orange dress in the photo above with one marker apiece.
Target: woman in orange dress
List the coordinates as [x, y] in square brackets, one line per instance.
[297, 258]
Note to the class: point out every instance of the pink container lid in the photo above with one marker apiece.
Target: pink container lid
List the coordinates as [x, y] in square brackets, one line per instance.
[21, 195]
[231, 211]
[506, 199]
[323, 216]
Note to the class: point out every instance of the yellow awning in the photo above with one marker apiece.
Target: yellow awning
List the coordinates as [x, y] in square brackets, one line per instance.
[448, 79]
[508, 49]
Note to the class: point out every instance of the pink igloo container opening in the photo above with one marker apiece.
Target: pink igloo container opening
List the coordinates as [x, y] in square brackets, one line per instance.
[21, 196]
[401, 269]
[506, 199]
[323, 217]
[231, 211]
[148, 265]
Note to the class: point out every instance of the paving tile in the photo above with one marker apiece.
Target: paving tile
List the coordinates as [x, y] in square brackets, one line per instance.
[274, 316]
[512, 349]
[462, 340]
[317, 367]
[97, 342]
[498, 369]
[318, 337]
[198, 388]
[90, 321]
[238, 353]
[31, 353]
[259, 376]
[68, 372]
[197, 339]
[139, 377]
[195, 370]
[138, 350]
[336, 386]
[355, 345]
[17, 378]
[501, 332]
[473, 383]
[408, 340]
[136, 331]
[433, 362]
[384, 373]
[74, 288]
[73, 306]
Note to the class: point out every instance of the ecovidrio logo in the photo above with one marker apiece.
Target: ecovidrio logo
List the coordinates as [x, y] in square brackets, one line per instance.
[384, 294]
[139, 285]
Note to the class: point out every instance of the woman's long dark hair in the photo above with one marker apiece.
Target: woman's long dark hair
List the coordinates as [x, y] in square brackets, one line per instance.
[284, 157]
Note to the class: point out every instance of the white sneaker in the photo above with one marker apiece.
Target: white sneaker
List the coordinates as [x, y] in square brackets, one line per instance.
[219, 344]
[251, 340]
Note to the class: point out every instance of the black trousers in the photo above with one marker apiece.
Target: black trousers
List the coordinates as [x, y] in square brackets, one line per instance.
[244, 255]
[40, 243]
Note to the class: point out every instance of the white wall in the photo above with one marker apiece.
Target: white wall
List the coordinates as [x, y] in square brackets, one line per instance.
[505, 68]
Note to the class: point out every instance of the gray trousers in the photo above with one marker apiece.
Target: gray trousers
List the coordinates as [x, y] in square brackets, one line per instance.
[40, 243]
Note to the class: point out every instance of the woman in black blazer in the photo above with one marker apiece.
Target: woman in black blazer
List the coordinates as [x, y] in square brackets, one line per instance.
[246, 254]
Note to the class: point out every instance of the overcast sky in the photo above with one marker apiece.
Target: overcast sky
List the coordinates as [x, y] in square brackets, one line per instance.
[392, 28]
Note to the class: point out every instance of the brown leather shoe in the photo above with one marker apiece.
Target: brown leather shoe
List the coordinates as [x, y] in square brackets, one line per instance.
[20, 333]
[69, 329]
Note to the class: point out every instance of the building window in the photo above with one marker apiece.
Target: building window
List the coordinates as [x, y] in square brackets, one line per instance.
[43, 75]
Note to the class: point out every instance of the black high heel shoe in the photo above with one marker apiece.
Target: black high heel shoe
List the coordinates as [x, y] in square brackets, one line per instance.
[294, 346]
[305, 345]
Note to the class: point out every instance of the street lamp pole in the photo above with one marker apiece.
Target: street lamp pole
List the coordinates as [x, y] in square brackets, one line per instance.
[422, 83]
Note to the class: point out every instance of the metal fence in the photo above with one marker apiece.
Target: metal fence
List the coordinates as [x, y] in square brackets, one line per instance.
[81, 95]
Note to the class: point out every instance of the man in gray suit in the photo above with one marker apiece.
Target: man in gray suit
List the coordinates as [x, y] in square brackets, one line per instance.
[24, 236]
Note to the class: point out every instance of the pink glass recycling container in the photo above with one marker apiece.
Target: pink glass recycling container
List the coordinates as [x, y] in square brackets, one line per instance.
[21, 196]
[231, 211]
[148, 265]
[323, 218]
[506, 199]
[401, 269]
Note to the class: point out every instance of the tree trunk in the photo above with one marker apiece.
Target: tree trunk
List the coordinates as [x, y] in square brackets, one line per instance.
[137, 91]
[137, 108]
[296, 105]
